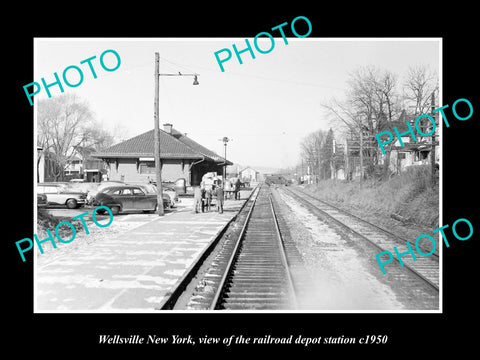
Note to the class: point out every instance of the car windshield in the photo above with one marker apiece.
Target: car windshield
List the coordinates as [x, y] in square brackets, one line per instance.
[137, 191]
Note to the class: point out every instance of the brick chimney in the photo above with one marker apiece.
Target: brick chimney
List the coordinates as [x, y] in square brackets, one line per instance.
[167, 128]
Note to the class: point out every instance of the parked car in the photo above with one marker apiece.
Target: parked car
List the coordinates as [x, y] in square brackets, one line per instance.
[93, 189]
[42, 200]
[59, 194]
[167, 188]
[128, 198]
[170, 191]
[181, 187]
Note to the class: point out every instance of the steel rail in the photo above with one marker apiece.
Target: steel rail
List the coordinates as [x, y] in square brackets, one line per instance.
[400, 239]
[416, 273]
[283, 255]
[221, 285]
[247, 251]
[169, 301]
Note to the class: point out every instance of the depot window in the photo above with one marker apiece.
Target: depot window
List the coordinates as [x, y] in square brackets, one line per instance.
[147, 167]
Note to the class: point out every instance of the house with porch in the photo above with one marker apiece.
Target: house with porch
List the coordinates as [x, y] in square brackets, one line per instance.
[181, 157]
[412, 152]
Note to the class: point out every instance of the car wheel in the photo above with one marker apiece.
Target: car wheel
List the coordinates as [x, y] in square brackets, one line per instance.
[71, 203]
[115, 210]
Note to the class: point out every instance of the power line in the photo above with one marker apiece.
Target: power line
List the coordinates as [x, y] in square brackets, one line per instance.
[257, 76]
[177, 64]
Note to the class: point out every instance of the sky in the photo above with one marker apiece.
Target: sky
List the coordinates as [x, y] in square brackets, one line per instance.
[266, 105]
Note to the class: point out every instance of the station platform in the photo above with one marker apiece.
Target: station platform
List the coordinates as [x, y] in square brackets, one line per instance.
[131, 271]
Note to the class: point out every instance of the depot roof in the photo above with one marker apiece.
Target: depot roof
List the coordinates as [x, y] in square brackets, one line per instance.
[173, 145]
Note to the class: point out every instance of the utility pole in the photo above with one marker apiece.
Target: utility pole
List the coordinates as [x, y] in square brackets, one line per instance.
[346, 166]
[156, 111]
[432, 154]
[303, 173]
[334, 164]
[361, 155]
[158, 165]
[225, 141]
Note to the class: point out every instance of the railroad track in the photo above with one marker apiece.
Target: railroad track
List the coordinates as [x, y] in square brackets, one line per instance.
[425, 268]
[257, 275]
[247, 270]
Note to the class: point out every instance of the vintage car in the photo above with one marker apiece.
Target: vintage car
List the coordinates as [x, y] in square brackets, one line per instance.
[170, 191]
[93, 189]
[151, 188]
[181, 188]
[59, 194]
[123, 198]
[42, 200]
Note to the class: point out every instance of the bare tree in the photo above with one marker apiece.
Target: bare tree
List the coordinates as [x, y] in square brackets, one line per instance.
[389, 109]
[371, 103]
[96, 137]
[120, 133]
[327, 156]
[354, 123]
[419, 84]
[373, 96]
[64, 123]
[311, 150]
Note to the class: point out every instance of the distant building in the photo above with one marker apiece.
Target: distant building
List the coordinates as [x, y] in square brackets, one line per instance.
[74, 167]
[181, 157]
[413, 152]
[93, 169]
[88, 168]
[248, 175]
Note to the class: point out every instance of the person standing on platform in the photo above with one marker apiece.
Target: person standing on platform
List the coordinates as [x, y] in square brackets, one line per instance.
[197, 199]
[220, 195]
[202, 189]
[208, 197]
[237, 190]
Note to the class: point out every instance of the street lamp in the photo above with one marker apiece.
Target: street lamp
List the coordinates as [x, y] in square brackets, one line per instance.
[156, 110]
[225, 141]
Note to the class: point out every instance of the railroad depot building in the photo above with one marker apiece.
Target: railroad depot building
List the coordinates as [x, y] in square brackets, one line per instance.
[181, 157]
